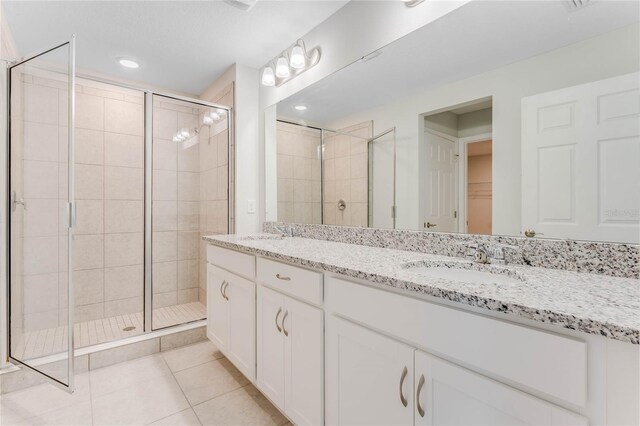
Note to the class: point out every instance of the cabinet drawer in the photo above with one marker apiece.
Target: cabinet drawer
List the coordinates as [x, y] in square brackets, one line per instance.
[239, 263]
[297, 282]
[536, 359]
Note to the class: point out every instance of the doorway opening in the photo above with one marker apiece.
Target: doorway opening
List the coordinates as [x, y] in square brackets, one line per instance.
[456, 168]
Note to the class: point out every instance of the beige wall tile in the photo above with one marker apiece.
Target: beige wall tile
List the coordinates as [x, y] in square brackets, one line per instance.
[343, 168]
[123, 216]
[285, 166]
[165, 277]
[124, 249]
[88, 252]
[40, 142]
[88, 286]
[131, 305]
[188, 271]
[188, 186]
[90, 111]
[40, 179]
[40, 293]
[40, 320]
[188, 295]
[189, 215]
[123, 353]
[40, 104]
[89, 182]
[123, 282]
[85, 313]
[165, 155]
[123, 117]
[223, 182]
[165, 185]
[165, 215]
[359, 166]
[41, 218]
[123, 183]
[123, 150]
[359, 190]
[90, 217]
[165, 246]
[161, 300]
[188, 245]
[165, 123]
[40, 255]
[89, 147]
[188, 159]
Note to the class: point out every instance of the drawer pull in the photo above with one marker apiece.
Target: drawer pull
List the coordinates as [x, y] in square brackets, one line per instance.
[284, 330]
[420, 385]
[282, 277]
[402, 377]
[277, 315]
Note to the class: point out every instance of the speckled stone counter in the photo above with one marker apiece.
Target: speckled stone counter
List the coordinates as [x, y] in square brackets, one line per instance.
[590, 303]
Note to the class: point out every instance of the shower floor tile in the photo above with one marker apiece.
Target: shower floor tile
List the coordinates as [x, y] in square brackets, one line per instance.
[40, 343]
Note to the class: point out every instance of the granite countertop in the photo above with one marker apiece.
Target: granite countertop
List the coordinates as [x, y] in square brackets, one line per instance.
[590, 303]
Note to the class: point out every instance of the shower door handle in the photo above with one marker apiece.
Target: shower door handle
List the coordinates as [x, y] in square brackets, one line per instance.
[15, 201]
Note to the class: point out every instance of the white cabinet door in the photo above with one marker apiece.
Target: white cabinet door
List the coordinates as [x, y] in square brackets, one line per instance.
[374, 382]
[241, 296]
[303, 328]
[580, 156]
[270, 377]
[217, 307]
[447, 394]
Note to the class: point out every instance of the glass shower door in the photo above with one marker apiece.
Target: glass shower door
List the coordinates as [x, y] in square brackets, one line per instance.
[41, 212]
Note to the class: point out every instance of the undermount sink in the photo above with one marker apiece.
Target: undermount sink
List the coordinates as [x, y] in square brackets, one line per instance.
[261, 237]
[468, 273]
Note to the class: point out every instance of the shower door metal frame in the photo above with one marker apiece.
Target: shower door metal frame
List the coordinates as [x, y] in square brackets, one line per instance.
[71, 219]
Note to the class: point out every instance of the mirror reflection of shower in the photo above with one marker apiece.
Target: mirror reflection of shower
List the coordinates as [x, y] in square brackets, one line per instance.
[188, 135]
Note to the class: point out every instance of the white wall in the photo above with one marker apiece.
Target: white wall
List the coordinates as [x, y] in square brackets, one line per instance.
[611, 54]
[341, 42]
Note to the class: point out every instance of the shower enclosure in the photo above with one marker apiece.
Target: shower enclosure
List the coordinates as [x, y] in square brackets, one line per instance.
[110, 189]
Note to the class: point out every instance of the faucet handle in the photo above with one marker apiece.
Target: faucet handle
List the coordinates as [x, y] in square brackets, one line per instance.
[497, 251]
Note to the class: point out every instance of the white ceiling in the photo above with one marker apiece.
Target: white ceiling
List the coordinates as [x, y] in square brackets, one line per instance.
[477, 37]
[181, 45]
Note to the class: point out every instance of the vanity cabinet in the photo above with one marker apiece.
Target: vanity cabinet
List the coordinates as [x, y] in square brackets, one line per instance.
[231, 317]
[290, 355]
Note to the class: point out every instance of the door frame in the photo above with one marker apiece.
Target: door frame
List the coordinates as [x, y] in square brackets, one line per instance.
[462, 175]
[70, 386]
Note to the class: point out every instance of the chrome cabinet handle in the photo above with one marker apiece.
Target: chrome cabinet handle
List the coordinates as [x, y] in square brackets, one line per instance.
[221, 290]
[282, 277]
[402, 377]
[224, 291]
[286, 313]
[277, 315]
[420, 385]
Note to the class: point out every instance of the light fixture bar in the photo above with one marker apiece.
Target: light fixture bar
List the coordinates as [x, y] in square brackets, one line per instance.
[292, 62]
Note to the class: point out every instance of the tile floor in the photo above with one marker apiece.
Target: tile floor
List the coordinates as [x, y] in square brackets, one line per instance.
[191, 385]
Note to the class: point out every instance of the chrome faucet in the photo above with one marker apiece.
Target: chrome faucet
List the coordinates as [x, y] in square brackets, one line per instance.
[477, 254]
[284, 230]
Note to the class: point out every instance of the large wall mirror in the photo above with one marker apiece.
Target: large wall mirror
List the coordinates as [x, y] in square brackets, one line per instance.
[499, 118]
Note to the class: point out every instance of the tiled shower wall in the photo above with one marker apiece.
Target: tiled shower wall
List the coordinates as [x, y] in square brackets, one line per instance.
[299, 173]
[108, 254]
[346, 163]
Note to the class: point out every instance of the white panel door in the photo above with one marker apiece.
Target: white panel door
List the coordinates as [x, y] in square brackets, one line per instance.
[374, 383]
[270, 374]
[303, 328]
[581, 161]
[447, 394]
[217, 307]
[442, 195]
[241, 347]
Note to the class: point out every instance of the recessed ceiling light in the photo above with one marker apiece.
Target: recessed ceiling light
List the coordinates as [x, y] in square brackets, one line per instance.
[128, 63]
[300, 107]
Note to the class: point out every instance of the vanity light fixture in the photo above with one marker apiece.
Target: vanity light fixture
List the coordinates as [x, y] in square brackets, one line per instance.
[412, 3]
[292, 62]
[282, 68]
[208, 119]
[268, 77]
[128, 63]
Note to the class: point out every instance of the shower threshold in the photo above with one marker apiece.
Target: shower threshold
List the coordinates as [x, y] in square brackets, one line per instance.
[49, 341]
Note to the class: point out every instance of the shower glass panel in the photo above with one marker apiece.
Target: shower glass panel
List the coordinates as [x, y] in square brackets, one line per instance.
[190, 196]
[39, 213]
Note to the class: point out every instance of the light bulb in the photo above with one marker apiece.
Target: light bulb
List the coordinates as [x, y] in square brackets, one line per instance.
[207, 119]
[220, 112]
[215, 116]
[177, 138]
[184, 133]
[282, 68]
[268, 78]
[297, 58]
